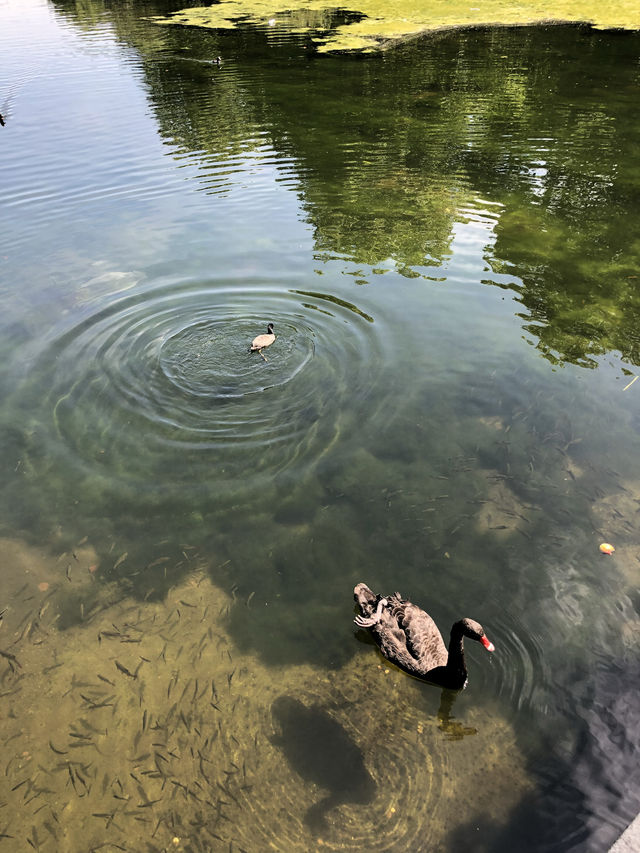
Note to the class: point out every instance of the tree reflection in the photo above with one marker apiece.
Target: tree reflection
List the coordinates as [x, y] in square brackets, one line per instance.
[390, 153]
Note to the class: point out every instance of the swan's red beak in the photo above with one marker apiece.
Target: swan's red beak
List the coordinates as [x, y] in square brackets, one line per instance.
[486, 642]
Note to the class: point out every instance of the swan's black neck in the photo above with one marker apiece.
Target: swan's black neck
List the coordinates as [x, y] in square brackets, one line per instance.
[456, 667]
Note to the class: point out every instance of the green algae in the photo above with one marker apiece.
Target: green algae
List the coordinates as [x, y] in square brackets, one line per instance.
[377, 23]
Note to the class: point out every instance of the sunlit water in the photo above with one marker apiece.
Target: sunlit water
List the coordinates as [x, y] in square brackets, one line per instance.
[444, 238]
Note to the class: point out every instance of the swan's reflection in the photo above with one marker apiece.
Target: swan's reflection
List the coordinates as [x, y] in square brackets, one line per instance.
[448, 724]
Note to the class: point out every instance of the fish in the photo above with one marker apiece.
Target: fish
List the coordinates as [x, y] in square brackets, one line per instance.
[120, 560]
[125, 671]
[320, 750]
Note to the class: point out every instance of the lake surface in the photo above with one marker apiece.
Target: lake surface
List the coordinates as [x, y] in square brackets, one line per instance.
[445, 236]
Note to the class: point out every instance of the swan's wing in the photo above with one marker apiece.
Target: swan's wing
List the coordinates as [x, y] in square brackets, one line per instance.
[407, 636]
[423, 640]
[393, 642]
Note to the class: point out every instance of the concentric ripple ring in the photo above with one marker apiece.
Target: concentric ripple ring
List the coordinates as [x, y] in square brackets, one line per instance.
[160, 386]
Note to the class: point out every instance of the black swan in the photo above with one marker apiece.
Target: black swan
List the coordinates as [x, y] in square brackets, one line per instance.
[408, 637]
[262, 341]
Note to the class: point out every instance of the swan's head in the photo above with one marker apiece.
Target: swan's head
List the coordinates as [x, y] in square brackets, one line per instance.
[475, 631]
[270, 329]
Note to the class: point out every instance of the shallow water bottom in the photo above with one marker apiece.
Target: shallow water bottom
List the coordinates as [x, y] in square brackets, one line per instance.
[144, 728]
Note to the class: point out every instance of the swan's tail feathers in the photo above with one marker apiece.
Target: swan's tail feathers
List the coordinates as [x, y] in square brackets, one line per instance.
[365, 599]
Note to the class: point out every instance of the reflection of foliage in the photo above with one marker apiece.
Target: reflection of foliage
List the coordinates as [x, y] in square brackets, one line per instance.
[390, 153]
[580, 302]
[568, 225]
[87, 13]
[336, 301]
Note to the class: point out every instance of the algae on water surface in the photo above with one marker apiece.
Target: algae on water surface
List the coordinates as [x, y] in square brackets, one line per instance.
[376, 22]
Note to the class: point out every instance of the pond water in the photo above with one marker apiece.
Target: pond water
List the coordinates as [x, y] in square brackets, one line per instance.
[445, 238]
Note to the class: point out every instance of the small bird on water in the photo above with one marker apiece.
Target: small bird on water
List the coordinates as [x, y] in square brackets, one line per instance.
[262, 341]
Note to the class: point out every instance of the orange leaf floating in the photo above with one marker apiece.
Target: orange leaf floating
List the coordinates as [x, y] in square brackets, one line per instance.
[43, 587]
[606, 548]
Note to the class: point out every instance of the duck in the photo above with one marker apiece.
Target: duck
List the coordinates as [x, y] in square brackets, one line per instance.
[409, 638]
[262, 341]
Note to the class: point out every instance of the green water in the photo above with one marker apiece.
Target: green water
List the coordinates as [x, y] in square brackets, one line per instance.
[445, 238]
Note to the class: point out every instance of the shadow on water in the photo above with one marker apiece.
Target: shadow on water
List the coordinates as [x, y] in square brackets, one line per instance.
[321, 751]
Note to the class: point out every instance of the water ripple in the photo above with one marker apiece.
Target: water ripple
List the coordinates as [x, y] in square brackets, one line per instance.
[521, 665]
[158, 385]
